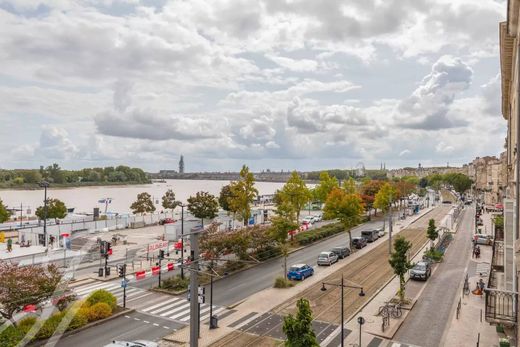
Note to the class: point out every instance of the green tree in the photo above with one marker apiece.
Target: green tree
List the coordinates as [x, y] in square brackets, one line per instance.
[298, 329]
[293, 195]
[348, 208]
[203, 205]
[243, 193]
[385, 196]
[280, 227]
[400, 263]
[225, 195]
[168, 200]
[55, 209]
[31, 176]
[55, 173]
[4, 212]
[322, 189]
[458, 181]
[24, 285]
[350, 186]
[432, 232]
[143, 204]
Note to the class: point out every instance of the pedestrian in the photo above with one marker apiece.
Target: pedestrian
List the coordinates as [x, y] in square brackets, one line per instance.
[481, 284]
[477, 252]
[9, 245]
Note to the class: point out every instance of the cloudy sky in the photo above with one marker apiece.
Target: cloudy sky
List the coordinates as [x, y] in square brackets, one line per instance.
[279, 84]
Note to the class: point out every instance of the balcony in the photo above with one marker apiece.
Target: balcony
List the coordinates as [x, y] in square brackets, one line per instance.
[501, 306]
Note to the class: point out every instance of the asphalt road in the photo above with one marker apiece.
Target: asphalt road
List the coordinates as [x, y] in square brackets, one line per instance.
[134, 326]
[428, 320]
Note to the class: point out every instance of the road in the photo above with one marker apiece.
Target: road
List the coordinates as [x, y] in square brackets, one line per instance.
[134, 326]
[426, 323]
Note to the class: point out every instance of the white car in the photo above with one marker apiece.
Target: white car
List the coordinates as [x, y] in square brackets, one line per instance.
[308, 219]
[317, 218]
[137, 343]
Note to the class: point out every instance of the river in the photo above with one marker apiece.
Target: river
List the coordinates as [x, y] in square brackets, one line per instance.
[84, 199]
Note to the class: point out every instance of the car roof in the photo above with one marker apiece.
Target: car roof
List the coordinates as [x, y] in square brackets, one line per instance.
[421, 263]
[326, 252]
[298, 265]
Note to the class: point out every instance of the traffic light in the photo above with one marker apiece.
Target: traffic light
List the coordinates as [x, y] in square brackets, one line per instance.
[109, 248]
[121, 270]
[103, 247]
[161, 254]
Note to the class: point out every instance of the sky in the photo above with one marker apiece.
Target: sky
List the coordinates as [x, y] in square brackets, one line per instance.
[273, 84]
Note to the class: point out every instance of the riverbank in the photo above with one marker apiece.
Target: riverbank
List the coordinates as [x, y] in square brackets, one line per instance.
[35, 186]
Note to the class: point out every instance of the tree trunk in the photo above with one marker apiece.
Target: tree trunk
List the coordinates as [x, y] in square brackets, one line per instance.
[402, 288]
[350, 239]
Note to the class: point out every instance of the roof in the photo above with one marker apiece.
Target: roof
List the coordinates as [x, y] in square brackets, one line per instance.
[298, 265]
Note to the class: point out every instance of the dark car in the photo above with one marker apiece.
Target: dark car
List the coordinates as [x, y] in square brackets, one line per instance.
[341, 251]
[359, 242]
[422, 270]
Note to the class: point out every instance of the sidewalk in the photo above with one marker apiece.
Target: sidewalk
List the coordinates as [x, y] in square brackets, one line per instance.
[464, 330]
[268, 299]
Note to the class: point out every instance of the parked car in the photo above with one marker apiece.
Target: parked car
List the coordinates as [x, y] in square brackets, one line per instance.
[370, 235]
[381, 231]
[318, 217]
[359, 242]
[341, 251]
[300, 272]
[137, 343]
[327, 258]
[167, 221]
[422, 270]
[483, 239]
[308, 220]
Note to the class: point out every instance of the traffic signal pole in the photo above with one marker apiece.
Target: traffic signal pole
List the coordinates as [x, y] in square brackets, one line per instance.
[124, 287]
[194, 292]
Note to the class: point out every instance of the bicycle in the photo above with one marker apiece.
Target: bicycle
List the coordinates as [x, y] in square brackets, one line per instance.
[394, 310]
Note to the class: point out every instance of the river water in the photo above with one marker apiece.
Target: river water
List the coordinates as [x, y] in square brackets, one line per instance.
[84, 199]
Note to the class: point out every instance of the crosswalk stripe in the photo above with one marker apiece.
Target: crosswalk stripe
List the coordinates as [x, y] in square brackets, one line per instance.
[91, 288]
[90, 285]
[166, 307]
[87, 291]
[176, 309]
[203, 309]
[180, 314]
[139, 297]
[159, 304]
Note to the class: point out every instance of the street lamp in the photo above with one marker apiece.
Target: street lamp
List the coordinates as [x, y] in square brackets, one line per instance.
[44, 185]
[342, 286]
[182, 237]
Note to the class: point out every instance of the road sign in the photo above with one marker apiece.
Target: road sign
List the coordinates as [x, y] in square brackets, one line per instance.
[361, 320]
[202, 299]
[124, 283]
[202, 290]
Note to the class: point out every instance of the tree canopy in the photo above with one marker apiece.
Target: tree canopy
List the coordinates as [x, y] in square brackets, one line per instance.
[325, 186]
[203, 205]
[298, 329]
[55, 209]
[293, 195]
[432, 232]
[385, 196]
[25, 285]
[243, 194]
[143, 204]
[168, 200]
[225, 195]
[4, 213]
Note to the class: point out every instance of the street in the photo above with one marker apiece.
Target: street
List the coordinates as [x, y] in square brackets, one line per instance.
[134, 326]
[428, 320]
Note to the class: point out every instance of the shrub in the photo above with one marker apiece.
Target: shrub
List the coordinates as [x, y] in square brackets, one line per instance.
[25, 324]
[102, 295]
[282, 282]
[176, 283]
[49, 326]
[434, 254]
[80, 318]
[10, 336]
[234, 265]
[99, 311]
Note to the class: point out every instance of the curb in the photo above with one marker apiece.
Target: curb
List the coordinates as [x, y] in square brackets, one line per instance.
[39, 343]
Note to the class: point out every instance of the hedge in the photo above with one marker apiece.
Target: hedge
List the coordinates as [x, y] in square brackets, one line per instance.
[309, 236]
[102, 295]
[99, 311]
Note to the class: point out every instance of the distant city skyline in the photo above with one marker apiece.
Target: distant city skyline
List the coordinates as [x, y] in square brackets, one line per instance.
[270, 84]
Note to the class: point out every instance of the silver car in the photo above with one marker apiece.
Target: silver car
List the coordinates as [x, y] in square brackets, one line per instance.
[327, 258]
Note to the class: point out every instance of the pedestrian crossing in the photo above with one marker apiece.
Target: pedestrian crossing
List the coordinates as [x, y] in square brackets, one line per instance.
[166, 306]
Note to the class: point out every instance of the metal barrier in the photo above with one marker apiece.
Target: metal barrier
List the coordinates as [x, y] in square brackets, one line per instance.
[500, 306]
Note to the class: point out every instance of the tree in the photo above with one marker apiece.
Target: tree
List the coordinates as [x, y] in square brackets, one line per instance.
[423, 182]
[224, 197]
[369, 190]
[243, 193]
[143, 204]
[25, 285]
[298, 329]
[432, 232]
[203, 205]
[293, 195]
[322, 189]
[350, 186]
[55, 209]
[280, 227]
[400, 263]
[348, 208]
[458, 181]
[4, 212]
[168, 200]
[384, 197]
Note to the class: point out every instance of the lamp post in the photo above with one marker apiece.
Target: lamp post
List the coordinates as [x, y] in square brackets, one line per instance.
[342, 285]
[182, 238]
[45, 185]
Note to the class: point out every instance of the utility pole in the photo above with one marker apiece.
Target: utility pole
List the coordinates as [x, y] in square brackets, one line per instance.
[390, 230]
[45, 185]
[194, 291]
[182, 240]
